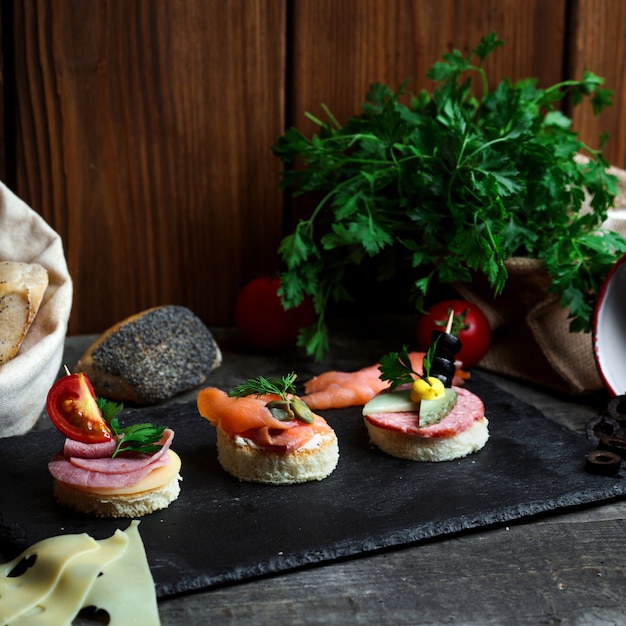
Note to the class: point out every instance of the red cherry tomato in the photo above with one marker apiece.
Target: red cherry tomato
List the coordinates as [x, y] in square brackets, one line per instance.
[261, 320]
[72, 408]
[473, 329]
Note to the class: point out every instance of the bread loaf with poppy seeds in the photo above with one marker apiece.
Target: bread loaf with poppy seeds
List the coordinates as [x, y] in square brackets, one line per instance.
[151, 356]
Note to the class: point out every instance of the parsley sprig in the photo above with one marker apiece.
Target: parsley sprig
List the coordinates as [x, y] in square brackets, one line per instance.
[396, 367]
[141, 438]
[443, 185]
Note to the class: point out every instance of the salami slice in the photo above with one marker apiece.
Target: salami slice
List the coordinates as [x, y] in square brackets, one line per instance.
[468, 409]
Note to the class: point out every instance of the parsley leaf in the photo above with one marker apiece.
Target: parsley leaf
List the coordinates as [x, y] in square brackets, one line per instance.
[396, 367]
[138, 438]
[440, 186]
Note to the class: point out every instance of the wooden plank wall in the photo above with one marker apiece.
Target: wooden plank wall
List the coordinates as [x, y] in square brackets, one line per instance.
[141, 129]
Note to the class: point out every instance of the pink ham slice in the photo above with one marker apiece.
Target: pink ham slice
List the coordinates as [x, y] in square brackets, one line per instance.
[107, 473]
[124, 463]
[61, 469]
[468, 409]
[89, 450]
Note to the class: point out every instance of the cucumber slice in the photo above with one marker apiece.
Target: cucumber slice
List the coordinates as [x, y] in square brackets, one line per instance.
[433, 411]
[429, 411]
[391, 402]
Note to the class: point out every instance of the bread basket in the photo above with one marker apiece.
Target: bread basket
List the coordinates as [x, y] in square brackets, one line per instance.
[26, 378]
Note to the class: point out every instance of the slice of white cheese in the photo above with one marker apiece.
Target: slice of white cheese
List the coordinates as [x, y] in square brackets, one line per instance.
[72, 572]
[63, 604]
[126, 588]
[52, 556]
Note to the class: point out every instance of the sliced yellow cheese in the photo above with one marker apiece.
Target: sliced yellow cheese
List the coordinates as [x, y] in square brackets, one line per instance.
[126, 588]
[61, 606]
[155, 479]
[72, 572]
[19, 594]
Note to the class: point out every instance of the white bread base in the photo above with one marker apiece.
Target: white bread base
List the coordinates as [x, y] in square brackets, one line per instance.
[122, 505]
[258, 465]
[434, 449]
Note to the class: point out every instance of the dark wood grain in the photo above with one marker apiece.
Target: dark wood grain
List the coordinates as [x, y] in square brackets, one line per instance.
[144, 140]
[141, 130]
[598, 44]
[340, 48]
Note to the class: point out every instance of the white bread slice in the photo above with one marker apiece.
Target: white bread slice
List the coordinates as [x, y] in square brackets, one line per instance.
[251, 463]
[22, 286]
[415, 448]
[130, 503]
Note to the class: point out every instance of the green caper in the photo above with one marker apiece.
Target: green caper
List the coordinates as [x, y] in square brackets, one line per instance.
[302, 411]
[286, 410]
[281, 410]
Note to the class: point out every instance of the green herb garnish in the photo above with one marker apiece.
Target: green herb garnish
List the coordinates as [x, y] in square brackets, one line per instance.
[141, 438]
[285, 409]
[396, 367]
[448, 185]
[261, 386]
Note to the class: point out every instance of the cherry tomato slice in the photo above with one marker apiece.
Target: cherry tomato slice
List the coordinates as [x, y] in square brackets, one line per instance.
[72, 408]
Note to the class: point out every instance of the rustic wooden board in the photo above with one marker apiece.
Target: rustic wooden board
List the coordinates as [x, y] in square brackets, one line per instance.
[221, 530]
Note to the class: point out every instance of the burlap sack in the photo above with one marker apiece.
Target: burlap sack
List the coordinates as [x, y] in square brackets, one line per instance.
[25, 379]
[531, 339]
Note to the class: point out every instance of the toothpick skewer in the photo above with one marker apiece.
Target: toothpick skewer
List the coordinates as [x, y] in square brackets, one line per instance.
[449, 324]
[67, 371]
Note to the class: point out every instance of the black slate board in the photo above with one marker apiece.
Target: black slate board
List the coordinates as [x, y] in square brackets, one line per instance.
[221, 530]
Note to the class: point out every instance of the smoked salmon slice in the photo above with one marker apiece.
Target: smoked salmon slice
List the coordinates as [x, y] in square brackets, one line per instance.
[249, 417]
[237, 415]
[339, 390]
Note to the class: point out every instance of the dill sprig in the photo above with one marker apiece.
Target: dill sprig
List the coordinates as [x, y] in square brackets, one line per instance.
[285, 409]
[260, 386]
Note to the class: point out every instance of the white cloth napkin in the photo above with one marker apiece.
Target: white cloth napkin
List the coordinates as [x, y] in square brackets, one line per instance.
[26, 379]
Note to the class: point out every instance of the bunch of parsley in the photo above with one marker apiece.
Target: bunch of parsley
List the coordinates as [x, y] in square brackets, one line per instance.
[447, 185]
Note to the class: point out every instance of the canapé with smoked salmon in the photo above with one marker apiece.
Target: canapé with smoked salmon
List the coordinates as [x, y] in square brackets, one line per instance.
[266, 434]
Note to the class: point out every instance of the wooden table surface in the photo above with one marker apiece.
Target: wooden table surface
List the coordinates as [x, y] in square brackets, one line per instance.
[567, 568]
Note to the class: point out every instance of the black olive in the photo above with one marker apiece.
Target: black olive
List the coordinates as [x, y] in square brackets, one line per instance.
[601, 425]
[613, 444]
[447, 344]
[446, 380]
[441, 365]
[617, 408]
[603, 462]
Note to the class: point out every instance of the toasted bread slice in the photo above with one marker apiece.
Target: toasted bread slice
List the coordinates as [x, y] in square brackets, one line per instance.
[22, 287]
